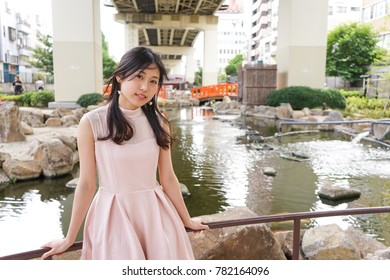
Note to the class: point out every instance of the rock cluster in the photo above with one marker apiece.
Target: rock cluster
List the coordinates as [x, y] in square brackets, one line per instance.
[34, 142]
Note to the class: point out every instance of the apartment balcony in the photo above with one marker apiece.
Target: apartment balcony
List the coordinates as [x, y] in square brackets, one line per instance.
[23, 28]
[24, 52]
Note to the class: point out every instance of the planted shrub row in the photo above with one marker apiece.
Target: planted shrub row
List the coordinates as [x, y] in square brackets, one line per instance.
[300, 97]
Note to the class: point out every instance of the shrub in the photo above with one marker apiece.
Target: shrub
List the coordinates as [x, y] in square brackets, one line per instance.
[88, 99]
[26, 98]
[300, 97]
[355, 93]
[15, 98]
[33, 99]
[41, 98]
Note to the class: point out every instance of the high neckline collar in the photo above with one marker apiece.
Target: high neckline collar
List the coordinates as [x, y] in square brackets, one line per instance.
[130, 112]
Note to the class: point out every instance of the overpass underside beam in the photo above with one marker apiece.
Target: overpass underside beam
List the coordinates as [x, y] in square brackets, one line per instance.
[171, 34]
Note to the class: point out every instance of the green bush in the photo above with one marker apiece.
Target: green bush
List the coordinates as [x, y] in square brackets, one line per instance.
[31, 98]
[300, 97]
[26, 98]
[15, 98]
[41, 98]
[88, 99]
[366, 107]
[355, 93]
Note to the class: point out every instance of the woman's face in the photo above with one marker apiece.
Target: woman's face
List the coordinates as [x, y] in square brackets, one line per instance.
[139, 88]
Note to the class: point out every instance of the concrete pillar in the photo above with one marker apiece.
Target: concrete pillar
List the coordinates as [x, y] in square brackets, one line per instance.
[301, 47]
[191, 66]
[131, 36]
[77, 50]
[210, 61]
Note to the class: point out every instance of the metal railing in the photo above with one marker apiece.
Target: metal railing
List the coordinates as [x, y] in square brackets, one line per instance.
[296, 217]
[371, 122]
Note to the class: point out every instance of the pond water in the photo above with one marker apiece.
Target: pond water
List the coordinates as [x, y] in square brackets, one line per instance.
[213, 157]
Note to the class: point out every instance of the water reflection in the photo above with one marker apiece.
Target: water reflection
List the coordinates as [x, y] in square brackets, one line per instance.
[213, 158]
[31, 214]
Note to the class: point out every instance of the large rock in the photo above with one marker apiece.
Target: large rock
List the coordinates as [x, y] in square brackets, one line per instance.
[55, 158]
[10, 130]
[4, 179]
[284, 111]
[251, 242]
[365, 244]
[328, 242]
[334, 195]
[22, 169]
[285, 238]
[34, 117]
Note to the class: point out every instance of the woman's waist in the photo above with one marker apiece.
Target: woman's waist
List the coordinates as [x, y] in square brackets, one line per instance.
[128, 189]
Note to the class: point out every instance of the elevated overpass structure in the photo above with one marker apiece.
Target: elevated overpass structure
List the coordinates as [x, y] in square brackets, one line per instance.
[170, 27]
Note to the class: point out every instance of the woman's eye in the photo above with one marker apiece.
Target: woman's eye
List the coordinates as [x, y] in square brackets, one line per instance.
[154, 82]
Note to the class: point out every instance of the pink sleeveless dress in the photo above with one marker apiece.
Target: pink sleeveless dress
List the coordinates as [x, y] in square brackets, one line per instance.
[130, 216]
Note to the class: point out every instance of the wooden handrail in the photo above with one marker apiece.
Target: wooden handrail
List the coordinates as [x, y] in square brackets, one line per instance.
[296, 217]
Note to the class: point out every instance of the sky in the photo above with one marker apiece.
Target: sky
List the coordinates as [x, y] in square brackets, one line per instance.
[113, 31]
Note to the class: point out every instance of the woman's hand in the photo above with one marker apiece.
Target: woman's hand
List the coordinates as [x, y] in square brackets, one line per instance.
[196, 224]
[57, 247]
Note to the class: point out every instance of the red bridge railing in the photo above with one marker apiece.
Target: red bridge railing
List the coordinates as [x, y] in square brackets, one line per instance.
[220, 90]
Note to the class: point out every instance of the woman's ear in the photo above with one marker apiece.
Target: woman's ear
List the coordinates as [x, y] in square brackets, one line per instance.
[118, 79]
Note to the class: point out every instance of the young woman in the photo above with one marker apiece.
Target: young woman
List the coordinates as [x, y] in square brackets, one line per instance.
[132, 216]
[17, 85]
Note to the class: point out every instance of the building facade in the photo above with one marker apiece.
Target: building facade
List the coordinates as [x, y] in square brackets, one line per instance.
[264, 25]
[20, 30]
[377, 13]
[232, 33]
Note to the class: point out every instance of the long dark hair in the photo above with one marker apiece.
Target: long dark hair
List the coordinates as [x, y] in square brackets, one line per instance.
[120, 129]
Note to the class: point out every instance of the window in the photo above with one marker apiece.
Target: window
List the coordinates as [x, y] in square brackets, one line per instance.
[341, 9]
[330, 10]
[12, 33]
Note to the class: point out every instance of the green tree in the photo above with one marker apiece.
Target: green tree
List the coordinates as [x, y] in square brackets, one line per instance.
[109, 64]
[232, 68]
[351, 49]
[198, 77]
[42, 57]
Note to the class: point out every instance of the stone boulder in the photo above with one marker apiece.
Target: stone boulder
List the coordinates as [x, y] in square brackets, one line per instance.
[4, 179]
[285, 238]
[69, 120]
[333, 195]
[284, 111]
[55, 158]
[253, 242]
[365, 244]
[328, 242]
[10, 130]
[22, 169]
[26, 129]
[34, 117]
[53, 122]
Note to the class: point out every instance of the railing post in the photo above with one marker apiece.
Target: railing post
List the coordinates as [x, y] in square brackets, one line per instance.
[296, 239]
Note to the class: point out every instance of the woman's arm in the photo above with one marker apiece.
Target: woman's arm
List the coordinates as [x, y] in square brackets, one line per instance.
[85, 189]
[171, 187]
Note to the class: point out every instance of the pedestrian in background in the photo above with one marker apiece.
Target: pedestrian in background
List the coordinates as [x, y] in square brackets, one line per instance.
[17, 85]
[39, 84]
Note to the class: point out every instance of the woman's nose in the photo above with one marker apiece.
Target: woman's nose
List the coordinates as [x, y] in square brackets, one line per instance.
[143, 86]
